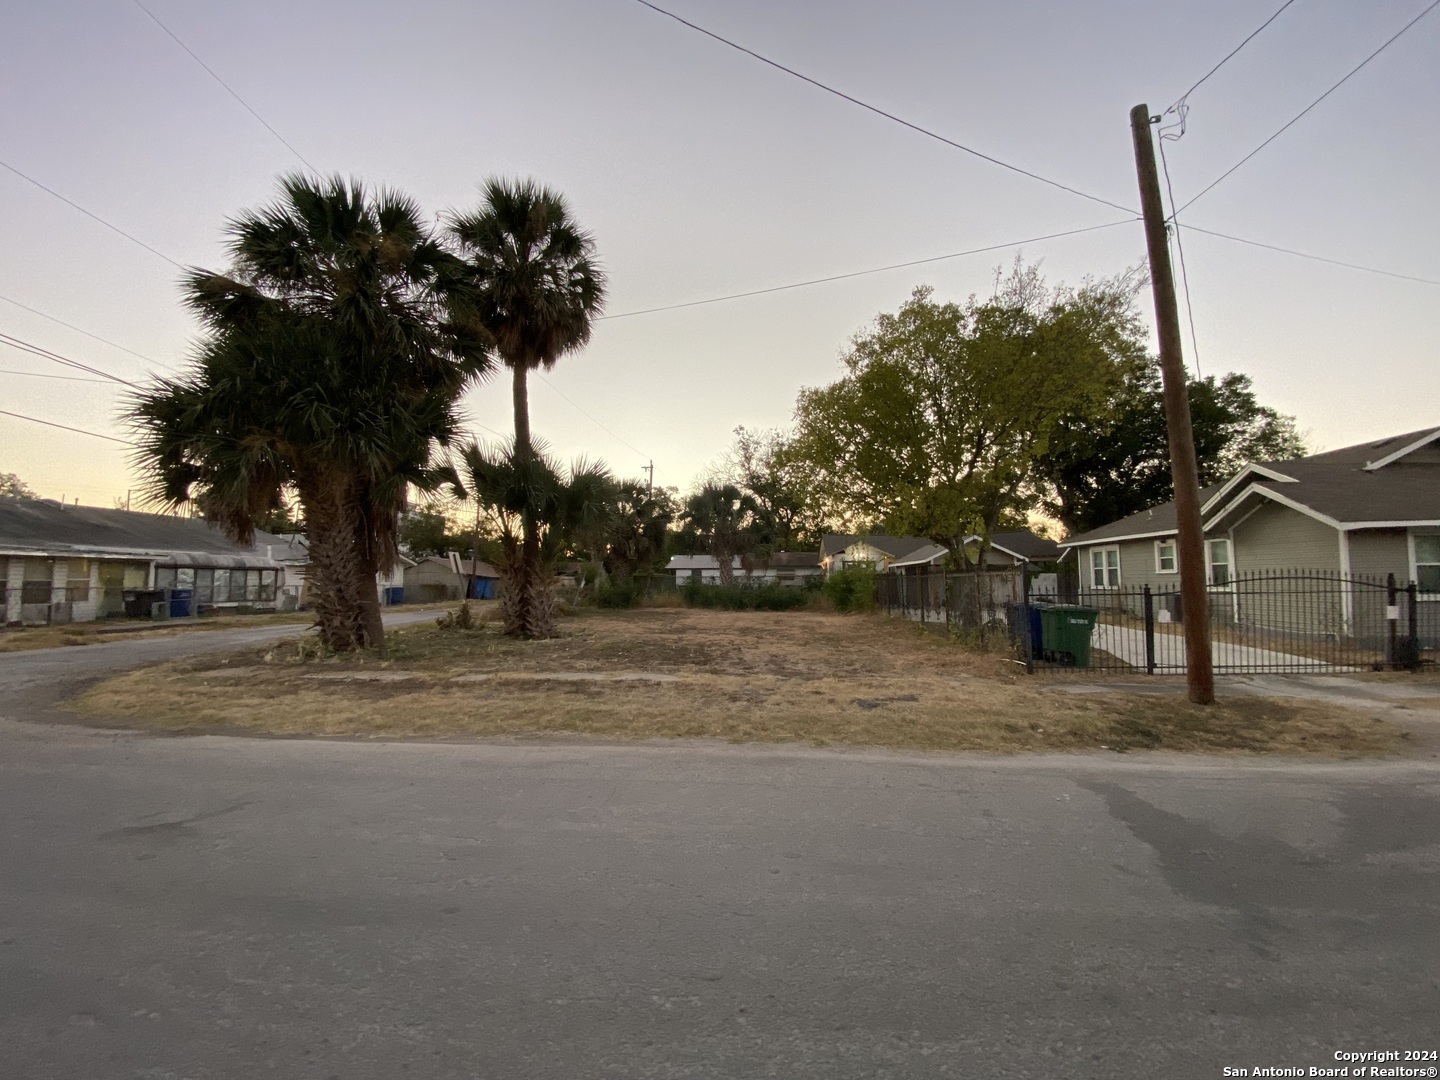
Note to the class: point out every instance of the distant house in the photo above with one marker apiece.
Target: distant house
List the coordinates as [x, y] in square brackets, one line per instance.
[291, 550]
[778, 568]
[1372, 509]
[915, 554]
[63, 564]
[437, 578]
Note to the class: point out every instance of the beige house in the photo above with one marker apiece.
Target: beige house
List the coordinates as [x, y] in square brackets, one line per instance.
[915, 554]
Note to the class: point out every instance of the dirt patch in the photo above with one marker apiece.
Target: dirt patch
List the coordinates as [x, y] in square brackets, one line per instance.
[743, 676]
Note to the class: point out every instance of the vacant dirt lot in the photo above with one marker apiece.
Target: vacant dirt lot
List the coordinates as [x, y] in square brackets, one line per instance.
[752, 676]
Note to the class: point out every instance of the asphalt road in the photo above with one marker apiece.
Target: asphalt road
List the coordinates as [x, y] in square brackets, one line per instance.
[217, 908]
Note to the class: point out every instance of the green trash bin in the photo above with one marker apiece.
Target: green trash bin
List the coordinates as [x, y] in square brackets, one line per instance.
[1065, 631]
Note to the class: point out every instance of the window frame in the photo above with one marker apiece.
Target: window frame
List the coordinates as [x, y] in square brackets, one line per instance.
[1210, 563]
[1105, 568]
[1174, 545]
[1416, 564]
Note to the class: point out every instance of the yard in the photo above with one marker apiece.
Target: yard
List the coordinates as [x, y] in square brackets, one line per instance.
[809, 677]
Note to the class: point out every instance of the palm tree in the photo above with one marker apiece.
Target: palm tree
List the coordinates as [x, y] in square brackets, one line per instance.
[335, 352]
[721, 516]
[637, 533]
[536, 288]
[518, 492]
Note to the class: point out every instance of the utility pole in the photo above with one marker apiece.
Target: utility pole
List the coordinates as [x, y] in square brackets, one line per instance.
[1190, 546]
[650, 482]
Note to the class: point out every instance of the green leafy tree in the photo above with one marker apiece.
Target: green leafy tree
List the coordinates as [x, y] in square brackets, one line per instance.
[537, 288]
[335, 351]
[944, 409]
[1108, 466]
[516, 493]
[764, 465]
[12, 487]
[721, 518]
[426, 532]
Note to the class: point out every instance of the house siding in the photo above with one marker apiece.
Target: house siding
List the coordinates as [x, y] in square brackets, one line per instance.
[1377, 552]
[1278, 538]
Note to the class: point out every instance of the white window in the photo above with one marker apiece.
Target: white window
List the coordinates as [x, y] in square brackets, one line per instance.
[1105, 568]
[1165, 557]
[1427, 562]
[1217, 562]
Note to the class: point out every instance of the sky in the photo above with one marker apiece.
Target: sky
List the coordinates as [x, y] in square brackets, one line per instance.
[703, 172]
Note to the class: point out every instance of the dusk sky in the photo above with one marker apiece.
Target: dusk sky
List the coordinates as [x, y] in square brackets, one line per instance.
[703, 172]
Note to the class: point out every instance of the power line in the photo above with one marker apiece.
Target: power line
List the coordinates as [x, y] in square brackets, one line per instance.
[863, 273]
[1180, 250]
[46, 354]
[881, 112]
[94, 217]
[1226, 59]
[566, 396]
[1315, 258]
[78, 330]
[229, 89]
[1434, 4]
[64, 427]
[47, 375]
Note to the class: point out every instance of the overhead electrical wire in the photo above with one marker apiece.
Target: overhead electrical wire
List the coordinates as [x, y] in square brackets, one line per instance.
[881, 112]
[863, 273]
[78, 330]
[1180, 250]
[1314, 258]
[228, 88]
[47, 354]
[598, 423]
[1225, 59]
[1294, 119]
[93, 216]
[47, 375]
[65, 427]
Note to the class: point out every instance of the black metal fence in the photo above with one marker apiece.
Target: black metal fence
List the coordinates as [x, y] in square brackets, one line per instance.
[987, 605]
[1279, 621]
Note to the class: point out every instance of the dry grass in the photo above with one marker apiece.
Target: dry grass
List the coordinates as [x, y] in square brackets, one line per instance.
[22, 639]
[25, 638]
[744, 676]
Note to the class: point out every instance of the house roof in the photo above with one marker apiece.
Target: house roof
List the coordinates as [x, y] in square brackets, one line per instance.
[1026, 544]
[897, 547]
[45, 528]
[921, 556]
[1383, 482]
[794, 560]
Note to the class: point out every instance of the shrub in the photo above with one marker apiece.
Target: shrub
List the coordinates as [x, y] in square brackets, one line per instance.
[620, 594]
[745, 597]
[852, 589]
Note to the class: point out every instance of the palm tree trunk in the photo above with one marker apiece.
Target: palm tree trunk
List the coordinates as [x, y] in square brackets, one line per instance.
[530, 609]
[330, 526]
[367, 588]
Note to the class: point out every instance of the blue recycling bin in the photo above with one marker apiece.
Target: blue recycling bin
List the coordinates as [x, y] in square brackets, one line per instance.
[180, 603]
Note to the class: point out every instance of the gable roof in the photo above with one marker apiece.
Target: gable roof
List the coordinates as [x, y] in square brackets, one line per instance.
[1367, 485]
[897, 547]
[1026, 545]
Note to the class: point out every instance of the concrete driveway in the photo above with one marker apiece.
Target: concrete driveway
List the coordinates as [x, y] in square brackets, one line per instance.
[216, 908]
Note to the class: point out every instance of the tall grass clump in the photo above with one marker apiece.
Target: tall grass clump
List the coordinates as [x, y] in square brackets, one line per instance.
[852, 589]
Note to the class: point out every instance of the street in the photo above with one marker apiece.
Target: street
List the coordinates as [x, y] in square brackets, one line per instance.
[224, 908]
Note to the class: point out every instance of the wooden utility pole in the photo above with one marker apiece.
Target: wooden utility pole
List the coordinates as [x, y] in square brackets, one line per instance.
[1190, 546]
[649, 471]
